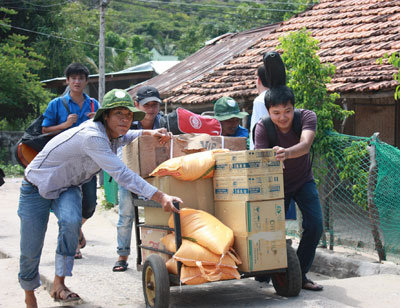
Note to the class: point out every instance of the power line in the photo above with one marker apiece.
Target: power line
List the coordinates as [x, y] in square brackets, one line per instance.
[204, 5]
[59, 37]
[144, 2]
[274, 2]
[50, 5]
[141, 5]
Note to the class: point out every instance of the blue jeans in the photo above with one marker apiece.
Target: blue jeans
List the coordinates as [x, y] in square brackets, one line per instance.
[125, 221]
[89, 198]
[307, 200]
[34, 211]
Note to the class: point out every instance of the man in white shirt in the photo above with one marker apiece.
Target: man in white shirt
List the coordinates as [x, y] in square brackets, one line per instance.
[259, 109]
[53, 179]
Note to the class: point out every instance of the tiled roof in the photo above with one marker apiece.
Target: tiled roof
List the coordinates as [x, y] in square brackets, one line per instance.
[353, 34]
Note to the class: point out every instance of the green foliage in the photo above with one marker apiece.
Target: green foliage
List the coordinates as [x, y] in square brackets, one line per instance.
[177, 28]
[308, 77]
[21, 92]
[354, 169]
[103, 201]
[12, 170]
[394, 59]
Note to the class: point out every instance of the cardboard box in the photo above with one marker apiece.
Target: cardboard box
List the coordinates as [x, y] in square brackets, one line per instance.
[259, 230]
[253, 162]
[258, 254]
[249, 188]
[155, 216]
[248, 217]
[152, 238]
[145, 153]
[194, 194]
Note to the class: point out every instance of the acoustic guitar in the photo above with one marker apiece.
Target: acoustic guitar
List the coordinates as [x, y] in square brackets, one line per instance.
[25, 154]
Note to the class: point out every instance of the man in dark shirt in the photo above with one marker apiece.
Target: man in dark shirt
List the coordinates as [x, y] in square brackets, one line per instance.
[298, 177]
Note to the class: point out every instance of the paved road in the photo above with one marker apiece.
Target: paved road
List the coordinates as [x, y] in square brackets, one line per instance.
[100, 287]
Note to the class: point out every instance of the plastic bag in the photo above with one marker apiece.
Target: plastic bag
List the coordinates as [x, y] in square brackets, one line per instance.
[205, 230]
[189, 167]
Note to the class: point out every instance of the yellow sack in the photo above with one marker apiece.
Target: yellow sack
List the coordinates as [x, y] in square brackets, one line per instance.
[169, 242]
[204, 229]
[172, 266]
[189, 253]
[189, 167]
[198, 275]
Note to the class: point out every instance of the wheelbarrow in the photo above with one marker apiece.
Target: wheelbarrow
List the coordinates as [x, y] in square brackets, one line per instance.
[156, 280]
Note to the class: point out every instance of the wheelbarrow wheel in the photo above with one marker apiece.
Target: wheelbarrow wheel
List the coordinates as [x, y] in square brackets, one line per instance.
[155, 282]
[288, 284]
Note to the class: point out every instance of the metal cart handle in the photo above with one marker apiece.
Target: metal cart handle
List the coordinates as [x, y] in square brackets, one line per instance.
[178, 236]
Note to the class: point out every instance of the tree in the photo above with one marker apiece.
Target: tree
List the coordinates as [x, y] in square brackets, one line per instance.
[394, 59]
[21, 93]
[308, 77]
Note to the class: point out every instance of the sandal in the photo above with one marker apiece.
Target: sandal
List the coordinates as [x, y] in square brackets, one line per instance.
[68, 295]
[311, 286]
[120, 266]
[82, 240]
[78, 254]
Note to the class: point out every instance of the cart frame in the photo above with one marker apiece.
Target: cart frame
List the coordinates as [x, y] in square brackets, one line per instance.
[286, 281]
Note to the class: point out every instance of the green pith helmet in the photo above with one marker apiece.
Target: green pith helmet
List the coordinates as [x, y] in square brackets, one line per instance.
[119, 98]
[227, 108]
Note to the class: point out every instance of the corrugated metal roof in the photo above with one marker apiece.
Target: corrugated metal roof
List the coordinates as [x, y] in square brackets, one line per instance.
[151, 66]
[206, 60]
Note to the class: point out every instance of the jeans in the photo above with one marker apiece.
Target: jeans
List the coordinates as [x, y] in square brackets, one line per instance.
[307, 200]
[89, 198]
[34, 213]
[125, 221]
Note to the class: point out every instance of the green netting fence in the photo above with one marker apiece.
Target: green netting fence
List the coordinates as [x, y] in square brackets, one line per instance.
[359, 186]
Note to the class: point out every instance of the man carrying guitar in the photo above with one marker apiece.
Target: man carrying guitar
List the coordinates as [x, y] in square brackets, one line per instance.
[58, 118]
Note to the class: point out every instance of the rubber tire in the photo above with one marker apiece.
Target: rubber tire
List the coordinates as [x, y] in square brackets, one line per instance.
[289, 284]
[155, 282]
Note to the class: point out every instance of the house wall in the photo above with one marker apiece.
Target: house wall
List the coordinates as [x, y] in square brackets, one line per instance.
[373, 113]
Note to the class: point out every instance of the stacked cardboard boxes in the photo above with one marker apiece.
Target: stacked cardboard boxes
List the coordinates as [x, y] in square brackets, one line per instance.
[194, 194]
[145, 153]
[248, 194]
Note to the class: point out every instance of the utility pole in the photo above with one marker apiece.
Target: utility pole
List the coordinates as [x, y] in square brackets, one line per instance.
[102, 83]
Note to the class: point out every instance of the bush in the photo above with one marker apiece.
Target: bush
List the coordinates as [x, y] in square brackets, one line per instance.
[12, 170]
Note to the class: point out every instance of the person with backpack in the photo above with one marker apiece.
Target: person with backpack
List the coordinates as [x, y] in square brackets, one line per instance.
[147, 100]
[291, 134]
[271, 74]
[52, 182]
[58, 118]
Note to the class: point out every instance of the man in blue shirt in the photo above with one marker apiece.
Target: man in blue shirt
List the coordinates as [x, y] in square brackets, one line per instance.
[57, 119]
[227, 112]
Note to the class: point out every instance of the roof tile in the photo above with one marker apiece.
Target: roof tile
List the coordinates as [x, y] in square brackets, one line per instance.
[352, 35]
